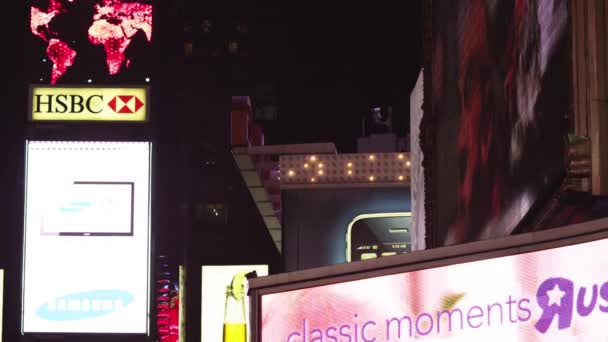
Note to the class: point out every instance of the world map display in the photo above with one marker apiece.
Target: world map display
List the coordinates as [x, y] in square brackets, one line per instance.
[113, 25]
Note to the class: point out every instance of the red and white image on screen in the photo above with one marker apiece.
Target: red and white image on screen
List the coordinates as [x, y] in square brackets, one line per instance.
[110, 24]
[500, 95]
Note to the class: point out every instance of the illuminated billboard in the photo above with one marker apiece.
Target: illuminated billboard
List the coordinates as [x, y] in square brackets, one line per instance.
[495, 114]
[1, 300]
[48, 103]
[554, 294]
[417, 171]
[225, 304]
[348, 224]
[96, 38]
[87, 237]
[371, 236]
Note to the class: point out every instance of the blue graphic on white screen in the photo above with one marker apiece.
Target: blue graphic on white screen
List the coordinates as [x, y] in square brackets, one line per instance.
[85, 305]
[76, 206]
[90, 208]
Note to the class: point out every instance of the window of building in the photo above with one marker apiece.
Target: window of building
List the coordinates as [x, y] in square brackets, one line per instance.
[188, 49]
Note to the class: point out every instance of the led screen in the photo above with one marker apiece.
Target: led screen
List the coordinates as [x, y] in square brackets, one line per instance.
[225, 304]
[1, 300]
[500, 82]
[324, 227]
[90, 208]
[80, 39]
[371, 236]
[550, 295]
[87, 231]
[181, 320]
[417, 171]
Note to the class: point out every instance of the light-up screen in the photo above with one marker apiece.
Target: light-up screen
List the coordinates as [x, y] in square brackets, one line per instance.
[89, 38]
[372, 236]
[499, 93]
[225, 304]
[87, 231]
[417, 171]
[331, 226]
[553, 295]
[90, 208]
[1, 300]
[119, 104]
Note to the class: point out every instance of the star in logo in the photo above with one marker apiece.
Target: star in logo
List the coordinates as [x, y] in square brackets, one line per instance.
[125, 104]
[555, 295]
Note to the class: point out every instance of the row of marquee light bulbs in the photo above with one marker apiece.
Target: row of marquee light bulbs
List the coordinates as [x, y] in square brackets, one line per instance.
[314, 169]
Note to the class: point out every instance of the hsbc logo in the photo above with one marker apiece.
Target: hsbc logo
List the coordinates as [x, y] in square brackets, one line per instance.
[125, 104]
[64, 103]
[51, 103]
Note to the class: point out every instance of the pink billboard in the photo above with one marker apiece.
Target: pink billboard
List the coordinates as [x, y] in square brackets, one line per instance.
[558, 294]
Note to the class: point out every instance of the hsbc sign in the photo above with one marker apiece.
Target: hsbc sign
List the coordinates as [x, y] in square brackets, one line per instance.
[50, 103]
[125, 104]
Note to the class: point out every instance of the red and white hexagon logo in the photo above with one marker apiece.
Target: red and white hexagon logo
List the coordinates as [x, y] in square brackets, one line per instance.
[125, 104]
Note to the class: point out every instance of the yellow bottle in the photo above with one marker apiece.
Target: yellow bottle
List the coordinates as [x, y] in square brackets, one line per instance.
[235, 332]
[235, 319]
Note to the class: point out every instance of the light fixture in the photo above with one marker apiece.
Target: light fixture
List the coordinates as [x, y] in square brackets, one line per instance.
[400, 178]
[372, 178]
[350, 172]
[306, 165]
[372, 157]
[400, 156]
[349, 164]
[320, 165]
[313, 179]
[90, 80]
[147, 79]
[320, 172]
[290, 173]
[407, 163]
[313, 158]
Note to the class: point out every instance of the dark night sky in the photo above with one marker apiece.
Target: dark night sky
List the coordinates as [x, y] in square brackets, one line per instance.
[333, 62]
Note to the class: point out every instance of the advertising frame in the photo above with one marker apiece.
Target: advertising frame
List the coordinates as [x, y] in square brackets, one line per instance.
[1, 301]
[182, 274]
[146, 120]
[220, 271]
[365, 216]
[422, 260]
[335, 207]
[150, 294]
[437, 232]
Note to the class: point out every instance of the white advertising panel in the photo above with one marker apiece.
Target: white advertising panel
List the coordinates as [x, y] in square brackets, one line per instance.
[558, 294]
[225, 304]
[87, 237]
[1, 300]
